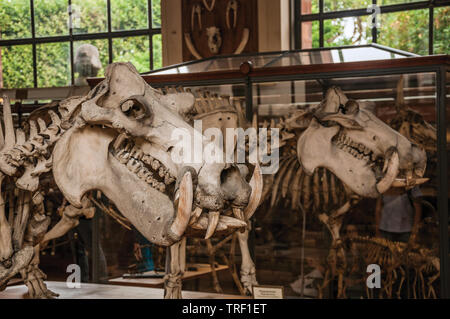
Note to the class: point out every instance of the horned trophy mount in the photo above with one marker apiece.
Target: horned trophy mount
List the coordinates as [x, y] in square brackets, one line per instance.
[219, 27]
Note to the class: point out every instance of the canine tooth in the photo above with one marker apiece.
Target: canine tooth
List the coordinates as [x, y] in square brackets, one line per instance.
[238, 213]
[213, 220]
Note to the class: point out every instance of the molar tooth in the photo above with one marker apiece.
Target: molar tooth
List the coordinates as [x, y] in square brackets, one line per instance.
[161, 187]
[168, 179]
[156, 164]
[129, 147]
[133, 165]
[142, 173]
[150, 180]
[147, 159]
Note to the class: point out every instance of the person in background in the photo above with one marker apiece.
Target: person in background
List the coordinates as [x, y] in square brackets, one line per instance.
[143, 253]
[397, 214]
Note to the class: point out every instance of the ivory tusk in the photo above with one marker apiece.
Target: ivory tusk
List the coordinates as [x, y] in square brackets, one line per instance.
[186, 196]
[213, 220]
[391, 167]
[195, 215]
[413, 182]
[238, 213]
[244, 40]
[190, 45]
[256, 183]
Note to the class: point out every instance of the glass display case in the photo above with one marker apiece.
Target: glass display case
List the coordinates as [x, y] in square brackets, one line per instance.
[290, 245]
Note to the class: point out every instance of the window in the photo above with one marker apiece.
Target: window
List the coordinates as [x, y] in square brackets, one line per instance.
[416, 26]
[39, 38]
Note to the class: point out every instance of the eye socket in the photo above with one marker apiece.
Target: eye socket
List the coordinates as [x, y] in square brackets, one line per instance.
[136, 108]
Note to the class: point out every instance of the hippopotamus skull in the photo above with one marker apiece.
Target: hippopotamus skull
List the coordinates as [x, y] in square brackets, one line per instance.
[364, 152]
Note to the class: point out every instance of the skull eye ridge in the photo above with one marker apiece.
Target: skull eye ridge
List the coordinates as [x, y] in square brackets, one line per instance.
[135, 108]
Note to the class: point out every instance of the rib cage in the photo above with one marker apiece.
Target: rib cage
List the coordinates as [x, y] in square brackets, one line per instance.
[321, 192]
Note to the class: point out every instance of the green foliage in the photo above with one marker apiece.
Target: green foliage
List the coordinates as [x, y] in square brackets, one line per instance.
[406, 31]
[15, 21]
[17, 66]
[134, 50]
[441, 30]
[88, 16]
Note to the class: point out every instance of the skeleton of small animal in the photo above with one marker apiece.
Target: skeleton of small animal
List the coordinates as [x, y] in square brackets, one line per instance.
[117, 140]
[394, 259]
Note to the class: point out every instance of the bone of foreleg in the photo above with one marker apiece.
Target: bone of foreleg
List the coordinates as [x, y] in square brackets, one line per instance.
[248, 277]
[10, 138]
[22, 220]
[6, 249]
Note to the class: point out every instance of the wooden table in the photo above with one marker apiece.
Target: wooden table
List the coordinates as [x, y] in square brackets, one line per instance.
[99, 291]
[202, 270]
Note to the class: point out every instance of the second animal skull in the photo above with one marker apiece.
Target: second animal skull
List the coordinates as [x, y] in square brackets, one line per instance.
[214, 39]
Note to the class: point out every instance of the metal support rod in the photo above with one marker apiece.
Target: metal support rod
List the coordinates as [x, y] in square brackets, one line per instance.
[95, 248]
[443, 182]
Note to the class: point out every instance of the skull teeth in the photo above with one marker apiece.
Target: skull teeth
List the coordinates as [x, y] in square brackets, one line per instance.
[146, 167]
[355, 149]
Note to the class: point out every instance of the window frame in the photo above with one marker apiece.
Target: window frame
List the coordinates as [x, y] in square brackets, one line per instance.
[321, 16]
[71, 38]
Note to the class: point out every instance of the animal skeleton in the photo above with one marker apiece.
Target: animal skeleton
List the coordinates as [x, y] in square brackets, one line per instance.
[395, 258]
[116, 140]
[343, 153]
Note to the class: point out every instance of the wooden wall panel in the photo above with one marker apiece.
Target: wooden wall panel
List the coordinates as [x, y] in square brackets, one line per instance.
[247, 17]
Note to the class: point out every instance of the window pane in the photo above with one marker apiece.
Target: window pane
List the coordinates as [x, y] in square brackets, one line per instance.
[15, 21]
[102, 47]
[347, 31]
[310, 34]
[89, 16]
[129, 15]
[339, 5]
[406, 31]
[53, 64]
[310, 6]
[134, 50]
[441, 30]
[51, 17]
[156, 13]
[157, 52]
[17, 66]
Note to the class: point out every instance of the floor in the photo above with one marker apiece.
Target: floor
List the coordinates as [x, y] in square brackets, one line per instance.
[98, 291]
